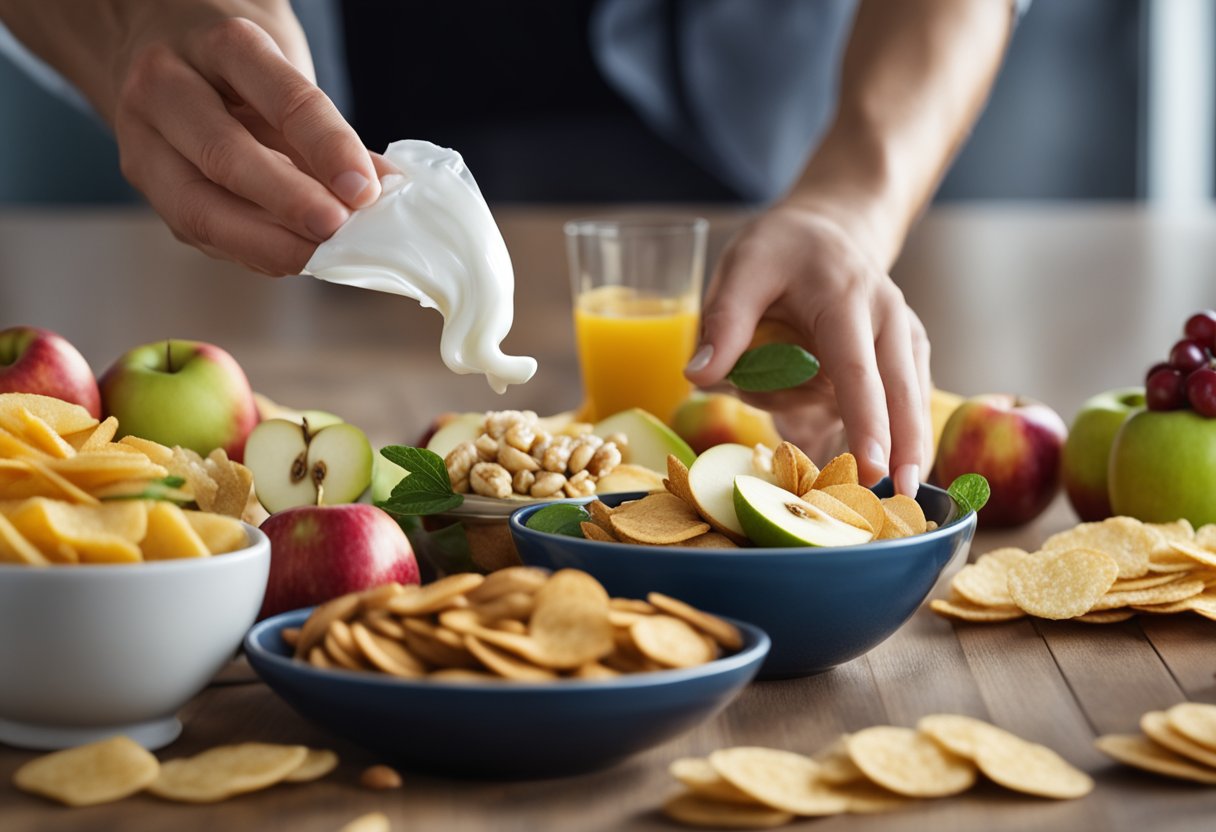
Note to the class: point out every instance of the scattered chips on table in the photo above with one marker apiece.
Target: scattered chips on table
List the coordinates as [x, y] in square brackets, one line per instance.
[70, 494]
[1096, 573]
[519, 623]
[1178, 743]
[100, 772]
[226, 771]
[878, 769]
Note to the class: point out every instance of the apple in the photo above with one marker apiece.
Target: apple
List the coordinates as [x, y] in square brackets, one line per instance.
[941, 406]
[1086, 457]
[707, 419]
[270, 409]
[452, 430]
[649, 440]
[297, 465]
[320, 552]
[184, 393]
[34, 360]
[711, 479]
[1015, 443]
[772, 516]
[1163, 467]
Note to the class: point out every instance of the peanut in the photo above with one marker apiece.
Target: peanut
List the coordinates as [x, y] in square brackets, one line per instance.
[513, 459]
[487, 447]
[460, 460]
[557, 455]
[490, 480]
[380, 778]
[521, 435]
[581, 484]
[584, 449]
[522, 481]
[547, 484]
[607, 457]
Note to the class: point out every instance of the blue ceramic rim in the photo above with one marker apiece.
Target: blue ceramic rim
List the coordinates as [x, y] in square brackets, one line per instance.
[251, 549]
[873, 549]
[756, 644]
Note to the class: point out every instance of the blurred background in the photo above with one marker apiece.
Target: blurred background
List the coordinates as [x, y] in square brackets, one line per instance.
[1098, 100]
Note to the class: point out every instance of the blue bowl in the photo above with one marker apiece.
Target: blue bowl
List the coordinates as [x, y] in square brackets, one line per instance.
[502, 730]
[821, 606]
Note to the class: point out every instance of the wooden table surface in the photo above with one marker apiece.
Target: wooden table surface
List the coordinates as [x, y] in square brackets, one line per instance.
[1056, 303]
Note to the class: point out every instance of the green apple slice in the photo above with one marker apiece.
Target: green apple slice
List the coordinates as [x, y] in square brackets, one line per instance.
[650, 441]
[295, 466]
[772, 516]
[464, 428]
[385, 476]
[340, 459]
[711, 479]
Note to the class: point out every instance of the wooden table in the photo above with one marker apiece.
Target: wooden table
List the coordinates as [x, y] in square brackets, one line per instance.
[1051, 302]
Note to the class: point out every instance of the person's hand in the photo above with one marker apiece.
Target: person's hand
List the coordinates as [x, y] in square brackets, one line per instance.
[806, 271]
[221, 127]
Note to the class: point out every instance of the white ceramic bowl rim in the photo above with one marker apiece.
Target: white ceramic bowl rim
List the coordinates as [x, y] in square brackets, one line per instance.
[253, 534]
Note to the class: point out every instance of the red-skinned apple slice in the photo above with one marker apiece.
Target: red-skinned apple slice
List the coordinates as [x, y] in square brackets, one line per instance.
[294, 466]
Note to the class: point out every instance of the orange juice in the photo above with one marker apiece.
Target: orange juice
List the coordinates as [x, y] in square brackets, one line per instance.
[632, 349]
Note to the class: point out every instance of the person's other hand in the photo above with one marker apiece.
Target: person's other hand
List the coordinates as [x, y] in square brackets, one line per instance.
[220, 125]
[807, 272]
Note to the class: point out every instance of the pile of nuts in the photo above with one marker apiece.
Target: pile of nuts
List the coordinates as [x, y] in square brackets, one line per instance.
[514, 455]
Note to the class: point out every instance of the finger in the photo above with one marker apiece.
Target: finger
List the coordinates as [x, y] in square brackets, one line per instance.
[190, 115]
[239, 54]
[728, 321]
[921, 353]
[204, 214]
[905, 408]
[846, 346]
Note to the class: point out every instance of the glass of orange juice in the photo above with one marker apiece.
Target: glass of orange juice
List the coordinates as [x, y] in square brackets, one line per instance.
[637, 301]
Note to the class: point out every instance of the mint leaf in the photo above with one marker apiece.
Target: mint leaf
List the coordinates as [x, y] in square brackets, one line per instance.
[773, 367]
[970, 491]
[426, 489]
[563, 518]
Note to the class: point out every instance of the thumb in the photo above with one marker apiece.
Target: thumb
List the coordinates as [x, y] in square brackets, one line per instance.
[728, 322]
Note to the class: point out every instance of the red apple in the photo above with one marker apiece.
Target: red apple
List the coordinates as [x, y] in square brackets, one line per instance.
[36, 360]
[320, 552]
[1016, 443]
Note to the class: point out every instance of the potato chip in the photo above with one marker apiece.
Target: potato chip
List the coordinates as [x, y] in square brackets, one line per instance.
[836, 767]
[62, 417]
[371, 822]
[38, 434]
[97, 534]
[1105, 617]
[154, 451]
[1140, 752]
[709, 540]
[700, 778]
[570, 625]
[861, 500]
[93, 470]
[1062, 583]
[1029, 768]
[506, 665]
[670, 641]
[517, 605]
[227, 770]
[1199, 554]
[1195, 721]
[1206, 536]
[385, 653]
[14, 548]
[1164, 594]
[958, 734]
[438, 652]
[1125, 539]
[808, 472]
[1147, 582]
[592, 531]
[842, 470]
[779, 779]
[1156, 726]
[721, 631]
[909, 763]
[100, 437]
[838, 510]
[986, 582]
[375, 599]
[220, 534]
[189, 466]
[12, 446]
[317, 763]
[691, 809]
[658, 519]
[234, 483]
[966, 611]
[594, 670]
[866, 798]
[87, 775]
[785, 467]
[907, 510]
[382, 622]
[420, 600]
[677, 480]
[505, 581]
[317, 657]
[65, 488]
[170, 535]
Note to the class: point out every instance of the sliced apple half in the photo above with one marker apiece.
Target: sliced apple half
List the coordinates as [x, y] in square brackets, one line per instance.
[772, 516]
[296, 465]
[650, 441]
[711, 479]
[464, 428]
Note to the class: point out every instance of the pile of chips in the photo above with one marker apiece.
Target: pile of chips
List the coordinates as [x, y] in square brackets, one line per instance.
[675, 518]
[519, 623]
[1097, 573]
[115, 768]
[70, 494]
[878, 769]
[1179, 743]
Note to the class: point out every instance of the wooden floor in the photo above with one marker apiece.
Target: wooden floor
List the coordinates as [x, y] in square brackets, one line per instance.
[1055, 303]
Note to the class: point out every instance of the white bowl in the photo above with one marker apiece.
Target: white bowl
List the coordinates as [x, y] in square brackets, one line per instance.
[91, 651]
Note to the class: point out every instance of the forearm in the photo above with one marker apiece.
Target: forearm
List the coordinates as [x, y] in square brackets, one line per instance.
[915, 76]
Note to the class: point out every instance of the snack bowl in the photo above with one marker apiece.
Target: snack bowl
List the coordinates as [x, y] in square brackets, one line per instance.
[821, 606]
[92, 651]
[502, 730]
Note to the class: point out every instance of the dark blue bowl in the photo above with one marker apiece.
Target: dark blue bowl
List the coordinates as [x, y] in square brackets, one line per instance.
[502, 730]
[821, 606]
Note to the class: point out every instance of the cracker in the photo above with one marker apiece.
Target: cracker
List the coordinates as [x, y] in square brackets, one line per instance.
[371, 822]
[658, 519]
[227, 770]
[677, 481]
[1029, 768]
[318, 763]
[1125, 539]
[909, 763]
[778, 779]
[436, 596]
[570, 625]
[691, 809]
[670, 641]
[1140, 752]
[506, 665]
[1106, 616]
[88, 775]
[1195, 721]
[839, 510]
[842, 470]
[1156, 726]
[1062, 583]
[700, 778]
[593, 531]
[505, 581]
[907, 510]
[785, 467]
[836, 767]
[721, 631]
[985, 582]
[861, 500]
[387, 654]
[958, 734]
[709, 540]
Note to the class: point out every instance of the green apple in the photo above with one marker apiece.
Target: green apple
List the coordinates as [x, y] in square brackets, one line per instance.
[184, 393]
[649, 440]
[1163, 467]
[772, 516]
[711, 479]
[1086, 458]
[293, 465]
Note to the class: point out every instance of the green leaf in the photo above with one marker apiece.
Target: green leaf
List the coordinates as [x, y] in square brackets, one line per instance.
[165, 488]
[773, 367]
[970, 491]
[563, 518]
[425, 489]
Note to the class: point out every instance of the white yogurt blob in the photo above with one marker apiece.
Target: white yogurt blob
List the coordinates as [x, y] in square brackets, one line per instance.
[430, 236]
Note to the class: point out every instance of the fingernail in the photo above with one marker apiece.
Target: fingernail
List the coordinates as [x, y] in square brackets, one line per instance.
[324, 223]
[877, 456]
[907, 479]
[700, 359]
[349, 185]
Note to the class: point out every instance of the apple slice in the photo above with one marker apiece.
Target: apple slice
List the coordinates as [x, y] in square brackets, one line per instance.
[650, 441]
[711, 479]
[464, 428]
[772, 516]
[293, 465]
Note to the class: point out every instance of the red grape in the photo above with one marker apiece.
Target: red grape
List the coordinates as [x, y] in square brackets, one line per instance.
[1164, 390]
[1201, 327]
[1188, 355]
[1160, 365]
[1201, 392]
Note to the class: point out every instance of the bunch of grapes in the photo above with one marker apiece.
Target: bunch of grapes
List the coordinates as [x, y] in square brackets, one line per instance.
[1189, 377]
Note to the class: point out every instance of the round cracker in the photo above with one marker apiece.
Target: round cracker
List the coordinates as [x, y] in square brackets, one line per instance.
[658, 519]
[1029, 768]
[836, 767]
[1125, 539]
[693, 810]
[422, 600]
[862, 500]
[1195, 721]
[342, 608]
[907, 510]
[570, 625]
[226, 770]
[723, 632]
[1156, 726]
[909, 763]
[670, 641]
[956, 733]
[88, 775]
[386, 654]
[700, 778]
[506, 665]
[1063, 583]
[505, 581]
[866, 798]
[1140, 752]
[318, 763]
[779, 779]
